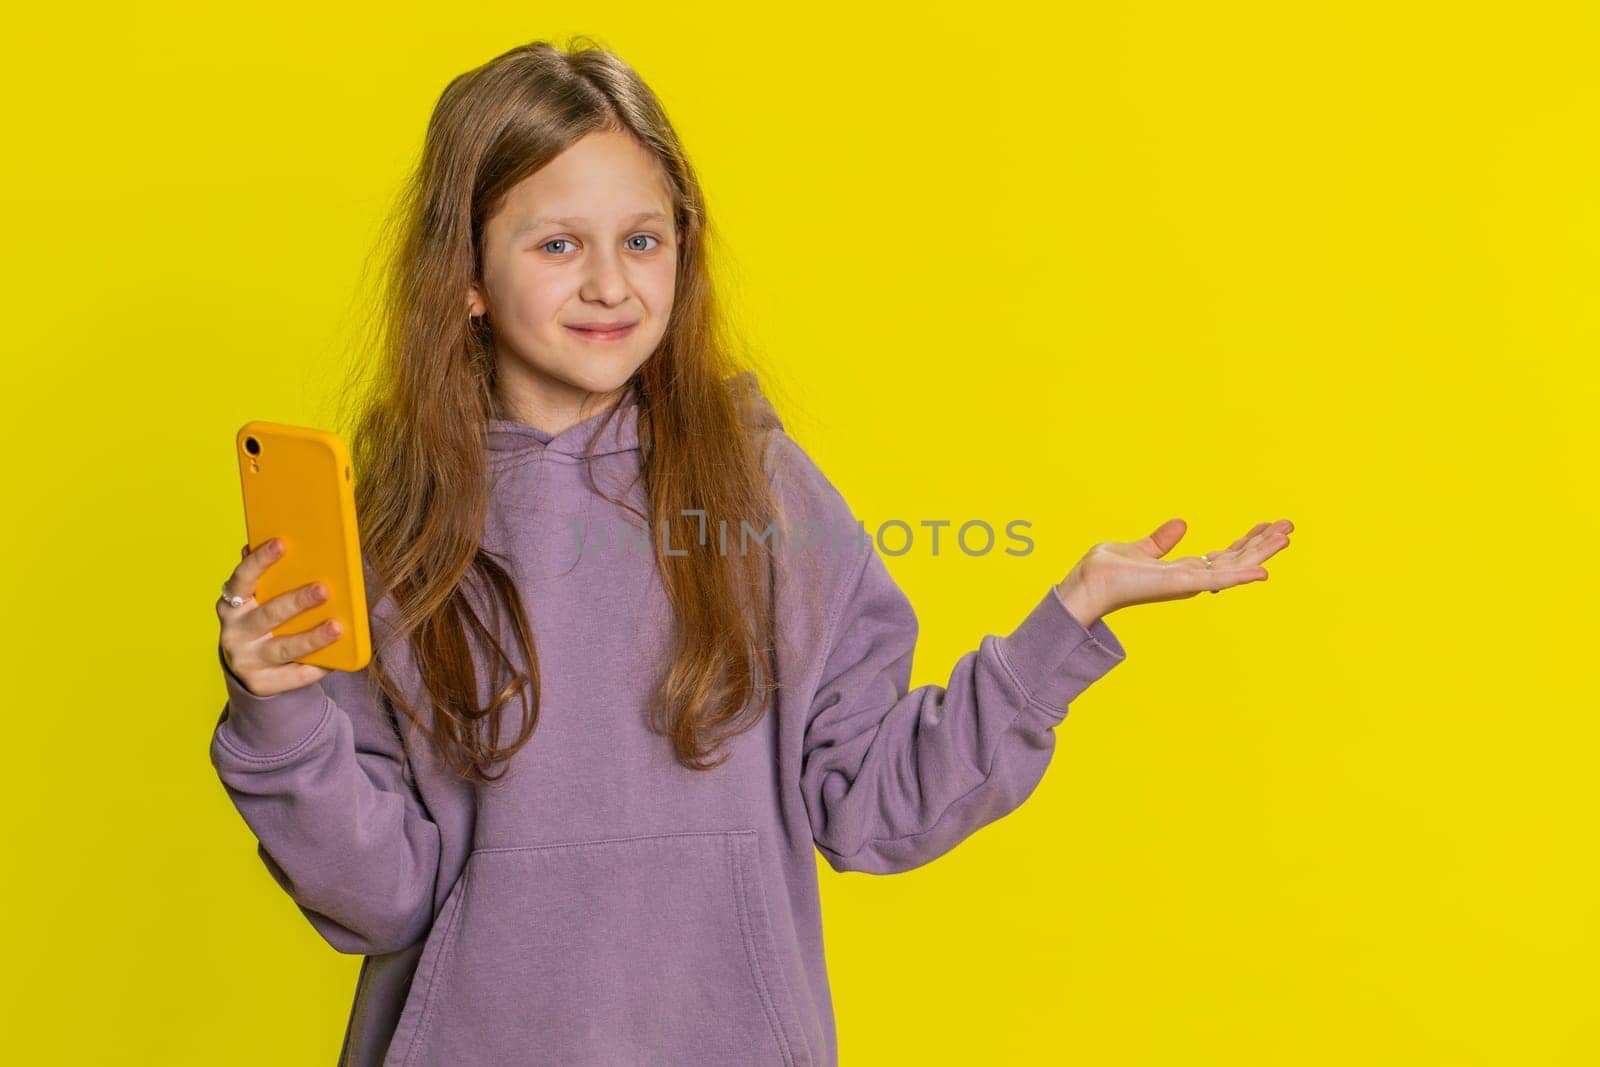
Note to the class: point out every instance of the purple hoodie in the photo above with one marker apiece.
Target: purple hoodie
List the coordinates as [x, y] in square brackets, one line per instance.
[601, 904]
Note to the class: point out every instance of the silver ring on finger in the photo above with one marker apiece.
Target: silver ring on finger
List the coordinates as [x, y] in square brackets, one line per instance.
[1205, 557]
[233, 601]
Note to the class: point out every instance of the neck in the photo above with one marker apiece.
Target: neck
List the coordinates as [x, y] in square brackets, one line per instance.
[551, 405]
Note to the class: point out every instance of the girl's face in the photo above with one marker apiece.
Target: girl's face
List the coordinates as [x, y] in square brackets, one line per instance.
[586, 240]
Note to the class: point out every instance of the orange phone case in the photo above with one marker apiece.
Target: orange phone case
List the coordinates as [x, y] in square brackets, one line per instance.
[296, 485]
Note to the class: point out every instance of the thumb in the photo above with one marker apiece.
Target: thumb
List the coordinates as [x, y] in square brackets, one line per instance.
[1164, 538]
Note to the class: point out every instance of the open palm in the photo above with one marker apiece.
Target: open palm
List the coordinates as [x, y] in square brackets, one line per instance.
[1119, 574]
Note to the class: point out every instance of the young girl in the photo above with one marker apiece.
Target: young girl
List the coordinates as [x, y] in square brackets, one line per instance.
[575, 507]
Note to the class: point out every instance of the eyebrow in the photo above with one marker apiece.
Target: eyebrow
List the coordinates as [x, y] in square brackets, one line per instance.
[569, 220]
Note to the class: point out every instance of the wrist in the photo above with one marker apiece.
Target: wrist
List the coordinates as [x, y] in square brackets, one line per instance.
[1077, 603]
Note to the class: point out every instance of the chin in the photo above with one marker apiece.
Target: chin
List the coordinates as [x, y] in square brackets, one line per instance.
[597, 380]
[602, 371]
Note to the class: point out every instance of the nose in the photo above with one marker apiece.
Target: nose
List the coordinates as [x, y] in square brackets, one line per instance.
[606, 279]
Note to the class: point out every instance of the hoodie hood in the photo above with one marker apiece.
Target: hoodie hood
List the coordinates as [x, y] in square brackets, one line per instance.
[509, 439]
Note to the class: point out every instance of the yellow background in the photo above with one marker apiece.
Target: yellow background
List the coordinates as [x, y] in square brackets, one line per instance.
[1232, 262]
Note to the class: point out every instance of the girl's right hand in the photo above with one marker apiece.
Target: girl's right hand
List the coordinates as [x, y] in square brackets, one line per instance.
[264, 663]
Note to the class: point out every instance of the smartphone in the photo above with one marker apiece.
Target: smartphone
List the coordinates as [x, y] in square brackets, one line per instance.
[296, 485]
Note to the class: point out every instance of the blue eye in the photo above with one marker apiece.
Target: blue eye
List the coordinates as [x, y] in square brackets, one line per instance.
[635, 237]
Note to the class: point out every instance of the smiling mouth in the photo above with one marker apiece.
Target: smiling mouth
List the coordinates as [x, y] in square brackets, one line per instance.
[604, 335]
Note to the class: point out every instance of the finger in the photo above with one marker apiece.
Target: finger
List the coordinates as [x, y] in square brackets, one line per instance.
[1241, 542]
[1283, 527]
[1228, 557]
[1259, 535]
[295, 675]
[305, 673]
[286, 649]
[1242, 577]
[1218, 579]
[1263, 532]
[1265, 547]
[1163, 539]
[227, 584]
[242, 582]
[285, 606]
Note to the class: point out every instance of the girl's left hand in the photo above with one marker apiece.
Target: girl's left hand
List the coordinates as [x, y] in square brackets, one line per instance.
[1120, 574]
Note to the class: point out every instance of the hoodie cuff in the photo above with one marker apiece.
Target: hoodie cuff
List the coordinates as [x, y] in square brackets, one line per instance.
[269, 726]
[1053, 657]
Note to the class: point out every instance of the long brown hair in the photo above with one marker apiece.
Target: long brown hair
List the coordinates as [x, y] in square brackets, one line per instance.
[418, 442]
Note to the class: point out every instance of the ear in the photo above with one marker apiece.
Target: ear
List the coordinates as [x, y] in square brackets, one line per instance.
[476, 305]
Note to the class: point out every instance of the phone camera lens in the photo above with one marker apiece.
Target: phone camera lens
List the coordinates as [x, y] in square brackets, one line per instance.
[252, 446]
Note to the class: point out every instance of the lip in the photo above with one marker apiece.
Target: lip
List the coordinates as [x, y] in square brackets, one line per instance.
[604, 335]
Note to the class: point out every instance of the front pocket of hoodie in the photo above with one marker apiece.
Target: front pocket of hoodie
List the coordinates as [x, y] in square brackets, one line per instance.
[636, 950]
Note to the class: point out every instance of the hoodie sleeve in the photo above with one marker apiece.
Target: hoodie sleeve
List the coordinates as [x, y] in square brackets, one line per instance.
[320, 776]
[894, 777]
